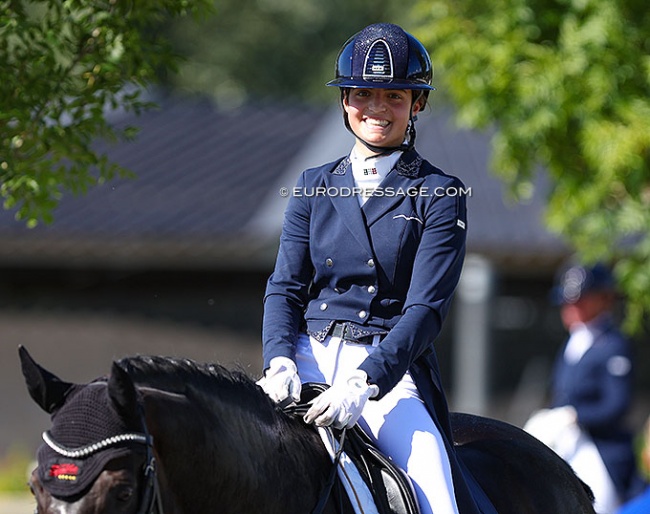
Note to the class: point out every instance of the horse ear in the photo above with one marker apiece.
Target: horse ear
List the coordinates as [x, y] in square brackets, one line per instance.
[47, 390]
[124, 396]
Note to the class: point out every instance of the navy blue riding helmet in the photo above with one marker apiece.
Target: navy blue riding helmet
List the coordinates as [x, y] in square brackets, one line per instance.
[384, 56]
[578, 280]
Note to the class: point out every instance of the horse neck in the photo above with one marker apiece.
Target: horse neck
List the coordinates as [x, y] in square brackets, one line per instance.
[229, 450]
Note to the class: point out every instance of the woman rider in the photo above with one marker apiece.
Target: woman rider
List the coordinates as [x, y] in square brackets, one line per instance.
[363, 282]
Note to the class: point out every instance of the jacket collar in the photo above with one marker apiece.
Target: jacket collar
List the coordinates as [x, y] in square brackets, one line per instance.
[407, 166]
[347, 205]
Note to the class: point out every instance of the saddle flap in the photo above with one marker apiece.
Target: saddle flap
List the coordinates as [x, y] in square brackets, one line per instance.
[389, 485]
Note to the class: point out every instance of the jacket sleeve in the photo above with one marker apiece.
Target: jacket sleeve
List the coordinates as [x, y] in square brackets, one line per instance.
[605, 410]
[287, 288]
[436, 271]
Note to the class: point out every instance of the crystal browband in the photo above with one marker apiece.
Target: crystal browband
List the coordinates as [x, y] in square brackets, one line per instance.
[84, 451]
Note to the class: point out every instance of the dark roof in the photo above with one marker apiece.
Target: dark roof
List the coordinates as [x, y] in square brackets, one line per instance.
[200, 174]
[203, 174]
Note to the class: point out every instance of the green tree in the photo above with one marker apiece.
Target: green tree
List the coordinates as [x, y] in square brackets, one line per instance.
[63, 64]
[566, 85]
[272, 49]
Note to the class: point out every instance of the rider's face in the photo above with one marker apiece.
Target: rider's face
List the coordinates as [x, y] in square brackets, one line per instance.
[588, 307]
[379, 116]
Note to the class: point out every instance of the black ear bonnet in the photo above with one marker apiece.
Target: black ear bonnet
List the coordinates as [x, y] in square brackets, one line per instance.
[86, 434]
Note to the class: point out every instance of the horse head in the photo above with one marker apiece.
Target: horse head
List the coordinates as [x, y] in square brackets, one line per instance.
[218, 440]
[96, 456]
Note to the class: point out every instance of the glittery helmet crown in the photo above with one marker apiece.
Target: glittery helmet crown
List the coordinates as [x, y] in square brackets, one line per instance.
[383, 55]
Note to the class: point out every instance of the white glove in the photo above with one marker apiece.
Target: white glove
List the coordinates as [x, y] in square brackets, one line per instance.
[281, 381]
[341, 404]
[557, 428]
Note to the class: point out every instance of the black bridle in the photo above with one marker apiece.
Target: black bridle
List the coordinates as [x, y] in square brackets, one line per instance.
[151, 502]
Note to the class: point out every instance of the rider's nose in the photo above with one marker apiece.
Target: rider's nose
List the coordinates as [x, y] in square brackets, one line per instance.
[377, 104]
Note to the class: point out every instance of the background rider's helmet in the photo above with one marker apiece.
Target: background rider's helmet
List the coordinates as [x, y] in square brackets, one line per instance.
[577, 280]
[383, 55]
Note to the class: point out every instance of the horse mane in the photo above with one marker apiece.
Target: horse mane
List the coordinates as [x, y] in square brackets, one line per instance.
[185, 376]
[227, 425]
[173, 374]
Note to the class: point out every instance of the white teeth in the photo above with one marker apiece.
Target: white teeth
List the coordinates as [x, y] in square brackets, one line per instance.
[379, 123]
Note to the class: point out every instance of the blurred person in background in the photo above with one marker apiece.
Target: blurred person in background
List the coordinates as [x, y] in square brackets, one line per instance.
[591, 389]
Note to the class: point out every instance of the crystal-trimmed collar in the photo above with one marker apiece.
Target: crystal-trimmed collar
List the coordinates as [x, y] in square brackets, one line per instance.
[408, 169]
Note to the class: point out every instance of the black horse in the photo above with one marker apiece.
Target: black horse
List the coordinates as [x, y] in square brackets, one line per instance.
[174, 436]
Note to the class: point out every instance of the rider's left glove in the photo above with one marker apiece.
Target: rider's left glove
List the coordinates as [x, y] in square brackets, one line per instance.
[281, 381]
[341, 405]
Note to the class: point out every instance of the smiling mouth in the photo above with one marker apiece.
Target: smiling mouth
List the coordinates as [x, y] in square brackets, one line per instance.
[377, 123]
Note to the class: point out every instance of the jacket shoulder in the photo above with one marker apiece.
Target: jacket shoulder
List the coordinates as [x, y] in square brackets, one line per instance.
[432, 173]
[429, 172]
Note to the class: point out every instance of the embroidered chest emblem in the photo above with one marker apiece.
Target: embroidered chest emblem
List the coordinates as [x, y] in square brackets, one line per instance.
[66, 471]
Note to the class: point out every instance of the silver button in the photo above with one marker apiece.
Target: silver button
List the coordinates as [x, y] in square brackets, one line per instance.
[362, 314]
[372, 289]
[329, 262]
[371, 263]
[323, 306]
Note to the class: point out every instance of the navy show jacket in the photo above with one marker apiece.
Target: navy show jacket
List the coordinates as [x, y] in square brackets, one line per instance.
[390, 266]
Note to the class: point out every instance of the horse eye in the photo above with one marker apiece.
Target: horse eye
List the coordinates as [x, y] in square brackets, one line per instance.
[125, 494]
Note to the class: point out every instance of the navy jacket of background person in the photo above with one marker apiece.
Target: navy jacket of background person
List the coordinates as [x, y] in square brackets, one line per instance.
[600, 388]
[389, 267]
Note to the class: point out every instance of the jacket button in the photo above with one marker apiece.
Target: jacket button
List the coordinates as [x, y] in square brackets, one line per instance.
[372, 289]
[362, 314]
[329, 262]
[371, 263]
[323, 306]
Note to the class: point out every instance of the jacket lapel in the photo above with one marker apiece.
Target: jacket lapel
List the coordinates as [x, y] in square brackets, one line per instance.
[404, 177]
[347, 205]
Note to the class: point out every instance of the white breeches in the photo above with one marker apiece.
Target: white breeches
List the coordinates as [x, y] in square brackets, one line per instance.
[399, 423]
